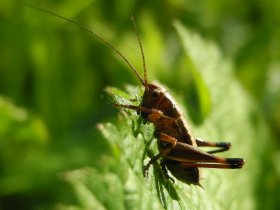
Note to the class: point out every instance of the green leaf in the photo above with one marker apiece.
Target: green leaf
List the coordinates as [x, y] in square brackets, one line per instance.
[119, 182]
[234, 118]
[198, 61]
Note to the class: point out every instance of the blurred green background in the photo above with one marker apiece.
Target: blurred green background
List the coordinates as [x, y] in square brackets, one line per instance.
[53, 76]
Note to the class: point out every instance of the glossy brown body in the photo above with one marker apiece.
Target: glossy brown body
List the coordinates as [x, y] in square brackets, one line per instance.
[171, 122]
[157, 97]
[177, 128]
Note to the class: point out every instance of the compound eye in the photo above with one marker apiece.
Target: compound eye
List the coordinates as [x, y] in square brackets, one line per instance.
[155, 93]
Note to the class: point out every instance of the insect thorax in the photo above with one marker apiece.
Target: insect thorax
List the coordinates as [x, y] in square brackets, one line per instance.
[157, 97]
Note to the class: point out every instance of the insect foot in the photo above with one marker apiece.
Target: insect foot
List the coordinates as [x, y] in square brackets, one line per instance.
[145, 170]
[235, 162]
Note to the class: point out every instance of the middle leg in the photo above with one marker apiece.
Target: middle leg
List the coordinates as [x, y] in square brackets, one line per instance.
[171, 144]
[224, 146]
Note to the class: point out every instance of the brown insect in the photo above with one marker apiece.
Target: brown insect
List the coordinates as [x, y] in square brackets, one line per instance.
[178, 148]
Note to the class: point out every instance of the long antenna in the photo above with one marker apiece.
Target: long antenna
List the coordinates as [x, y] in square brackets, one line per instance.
[142, 51]
[93, 34]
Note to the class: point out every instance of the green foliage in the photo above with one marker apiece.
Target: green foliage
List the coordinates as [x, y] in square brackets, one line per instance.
[23, 134]
[131, 143]
[57, 149]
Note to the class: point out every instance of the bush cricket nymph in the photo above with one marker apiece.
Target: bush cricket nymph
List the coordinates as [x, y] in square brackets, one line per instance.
[178, 148]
